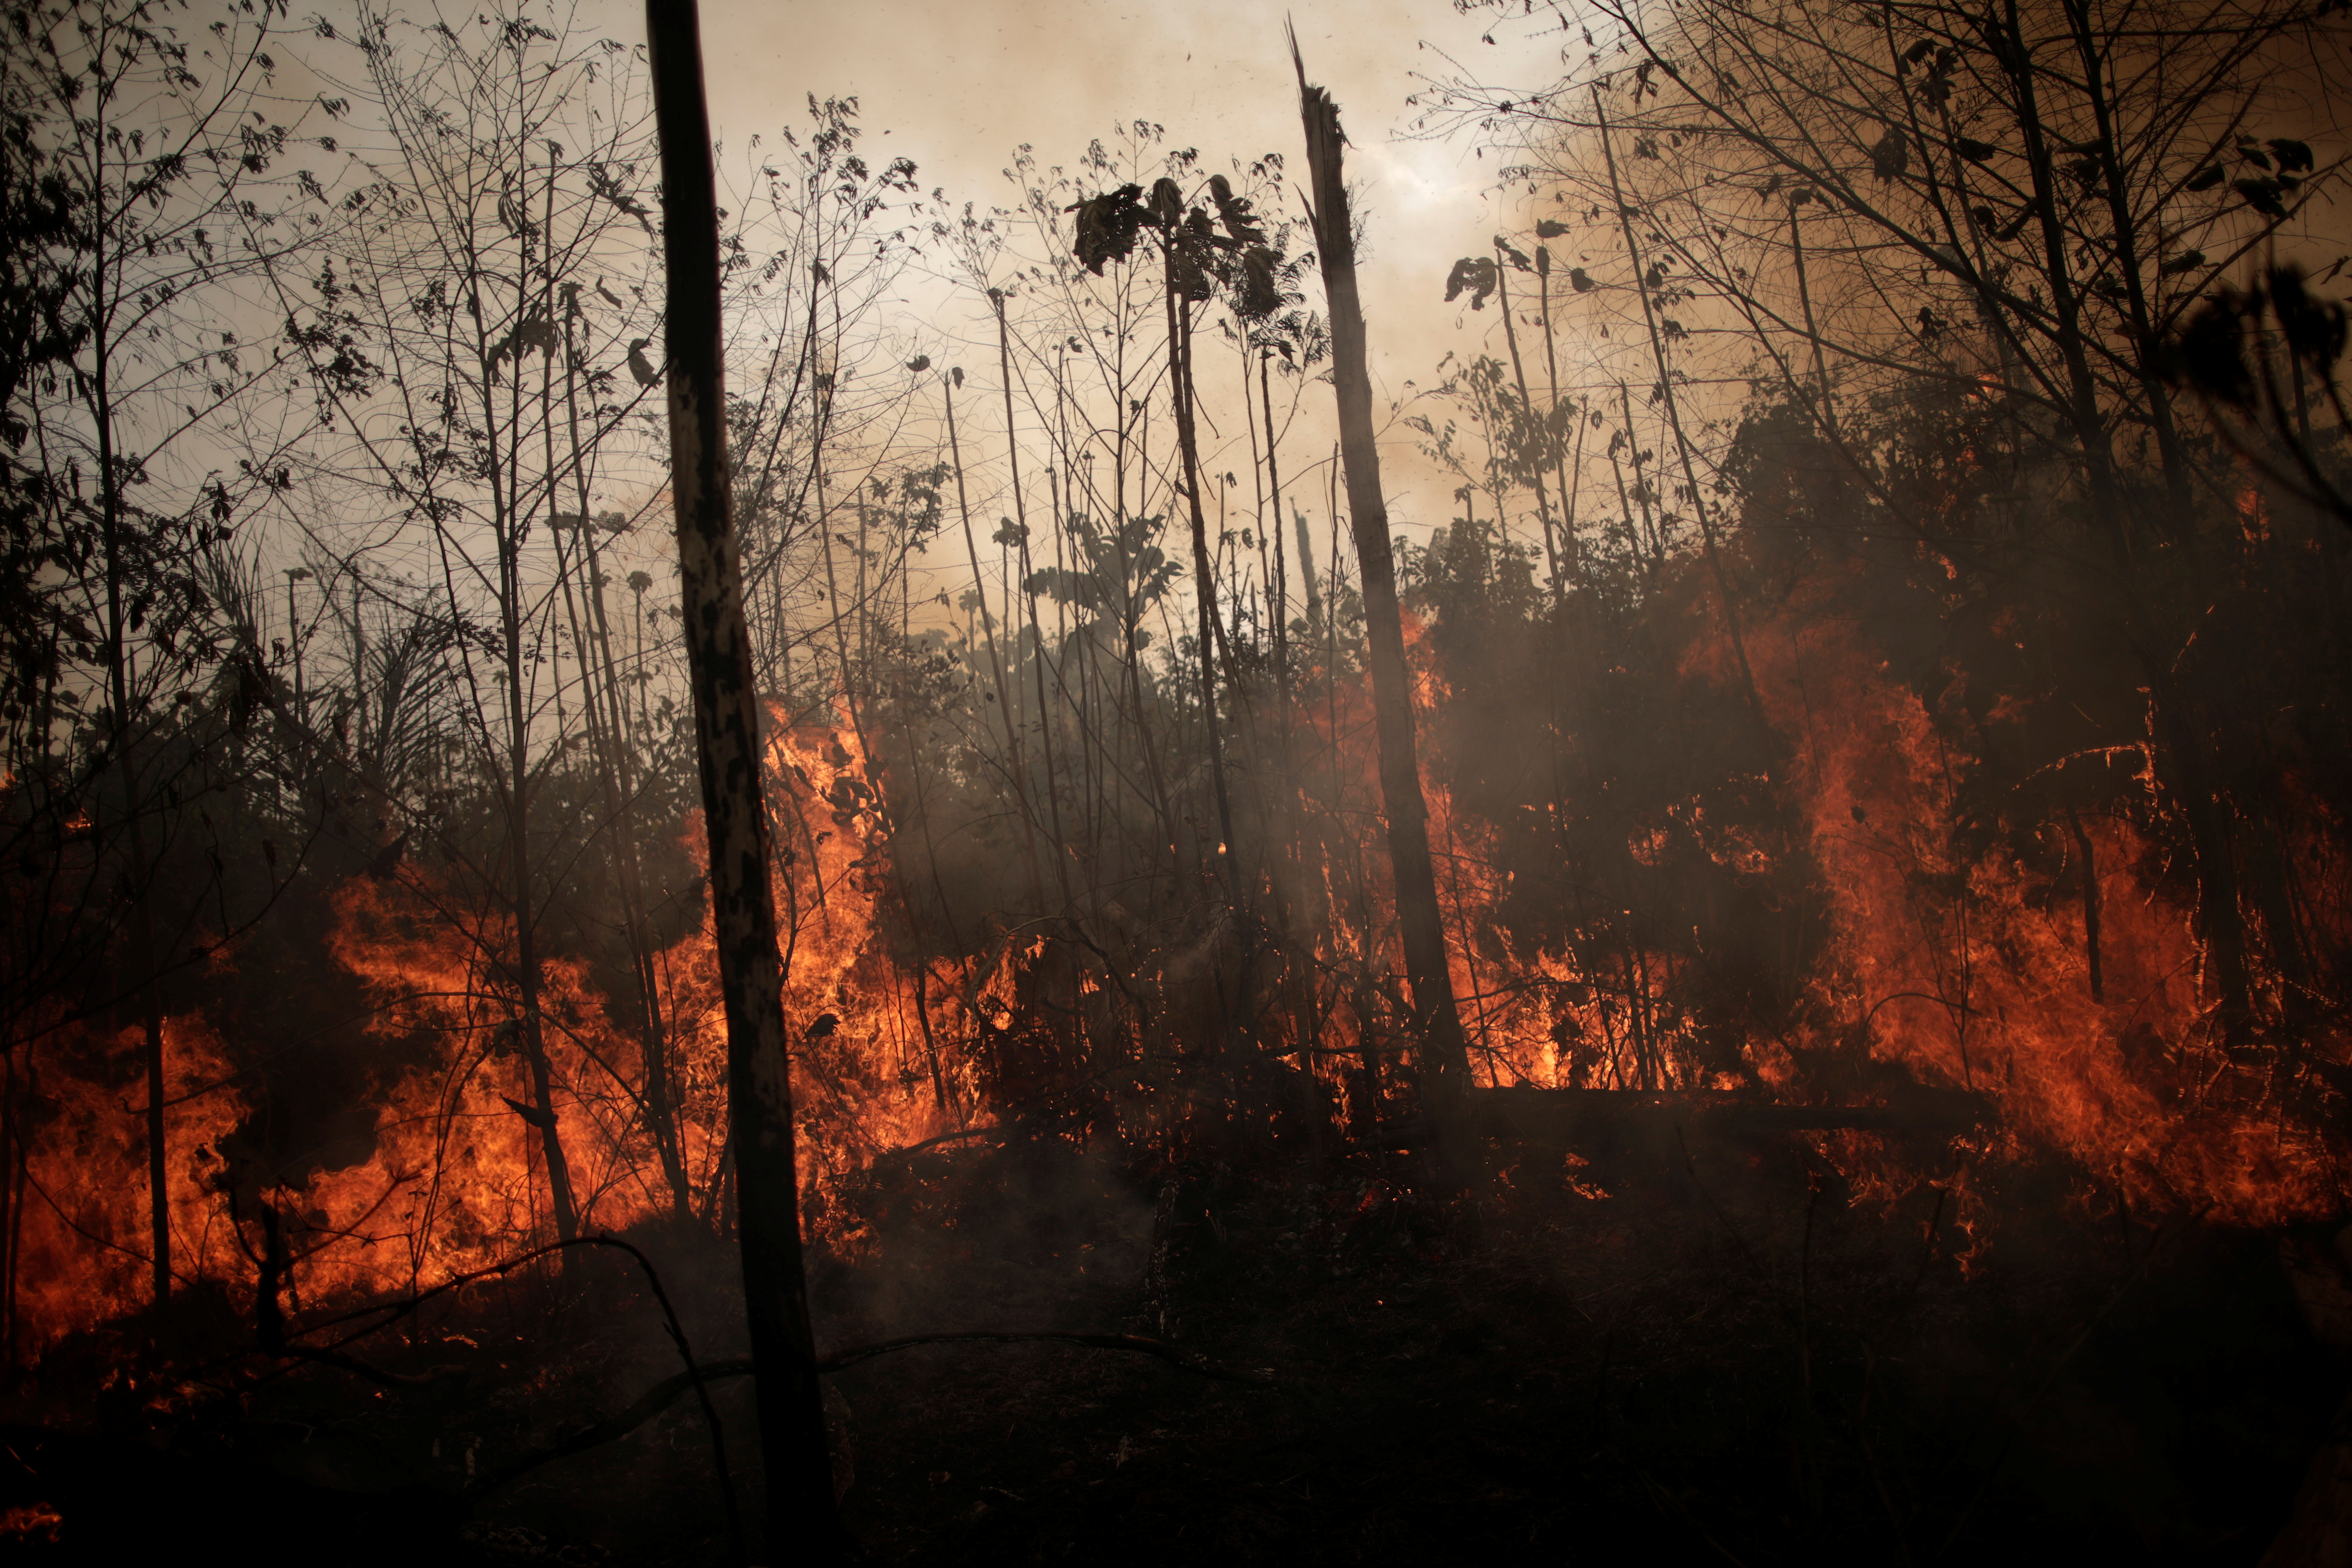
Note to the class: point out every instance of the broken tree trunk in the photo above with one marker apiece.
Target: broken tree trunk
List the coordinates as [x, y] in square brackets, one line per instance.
[798, 1476]
[1442, 1053]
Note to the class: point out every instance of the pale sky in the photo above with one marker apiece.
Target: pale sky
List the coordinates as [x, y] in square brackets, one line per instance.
[958, 84]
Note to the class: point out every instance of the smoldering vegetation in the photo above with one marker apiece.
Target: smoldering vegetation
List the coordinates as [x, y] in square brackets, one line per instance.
[1877, 668]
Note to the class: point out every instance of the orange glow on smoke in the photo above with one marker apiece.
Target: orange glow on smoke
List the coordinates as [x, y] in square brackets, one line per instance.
[1965, 965]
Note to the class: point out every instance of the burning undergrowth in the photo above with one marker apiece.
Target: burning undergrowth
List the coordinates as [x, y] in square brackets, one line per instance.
[1734, 1351]
[1775, 983]
[1863, 885]
[1829, 939]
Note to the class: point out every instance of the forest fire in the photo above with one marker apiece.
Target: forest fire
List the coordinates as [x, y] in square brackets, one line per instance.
[1774, 981]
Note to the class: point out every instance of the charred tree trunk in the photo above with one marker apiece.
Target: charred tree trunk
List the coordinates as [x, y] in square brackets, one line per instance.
[1179, 364]
[150, 1018]
[2090, 902]
[1015, 771]
[1281, 606]
[608, 736]
[526, 937]
[1503, 263]
[1565, 571]
[1443, 1056]
[797, 1473]
[527, 970]
[100, 396]
[2008, 38]
[1029, 592]
[2210, 820]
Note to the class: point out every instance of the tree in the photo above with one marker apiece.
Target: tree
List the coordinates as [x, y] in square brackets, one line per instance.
[2022, 205]
[144, 185]
[1437, 1025]
[817, 237]
[468, 340]
[727, 730]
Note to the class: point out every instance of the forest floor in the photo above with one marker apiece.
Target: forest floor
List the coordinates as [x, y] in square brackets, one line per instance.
[1736, 1362]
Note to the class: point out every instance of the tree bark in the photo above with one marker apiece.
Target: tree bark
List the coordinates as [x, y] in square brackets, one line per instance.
[1179, 364]
[509, 526]
[798, 1476]
[527, 973]
[1443, 1053]
[143, 873]
[1527, 408]
[2090, 902]
[2083, 409]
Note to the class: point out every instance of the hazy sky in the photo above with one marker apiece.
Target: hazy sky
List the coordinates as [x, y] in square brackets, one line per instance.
[958, 84]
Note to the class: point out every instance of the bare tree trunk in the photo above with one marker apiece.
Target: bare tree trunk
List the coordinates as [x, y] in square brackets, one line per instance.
[1281, 583]
[143, 874]
[797, 1473]
[1527, 408]
[1015, 770]
[2090, 429]
[2090, 902]
[150, 1018]
[1436, 1025]
[1565, 571]
[518, 804]
[534, 1032]
[1180, 361]
[14, 1158]
[1061, 845]
[608, 729]
[118, 661]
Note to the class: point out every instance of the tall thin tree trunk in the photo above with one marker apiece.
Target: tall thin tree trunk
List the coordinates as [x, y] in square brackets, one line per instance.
[150, 1018]
[1812, 332]
[1061, 852]
[118, 660]
[1014, 768]
[2090, 429]
[2090, 902]
[1281, 584]
[1443, 1055]
[799, 1478]
[1527, 407]
[518, 804]
[143, 915]
[1204, 585]
[1564, 564]
[608, 726]
[14, 1159]
[514, 783]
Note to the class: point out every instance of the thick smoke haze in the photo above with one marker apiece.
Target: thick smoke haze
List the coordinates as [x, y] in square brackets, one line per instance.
[959, 87]
[1746, 947]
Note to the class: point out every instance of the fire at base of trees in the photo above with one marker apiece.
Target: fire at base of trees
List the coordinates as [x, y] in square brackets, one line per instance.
[1881, 672]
